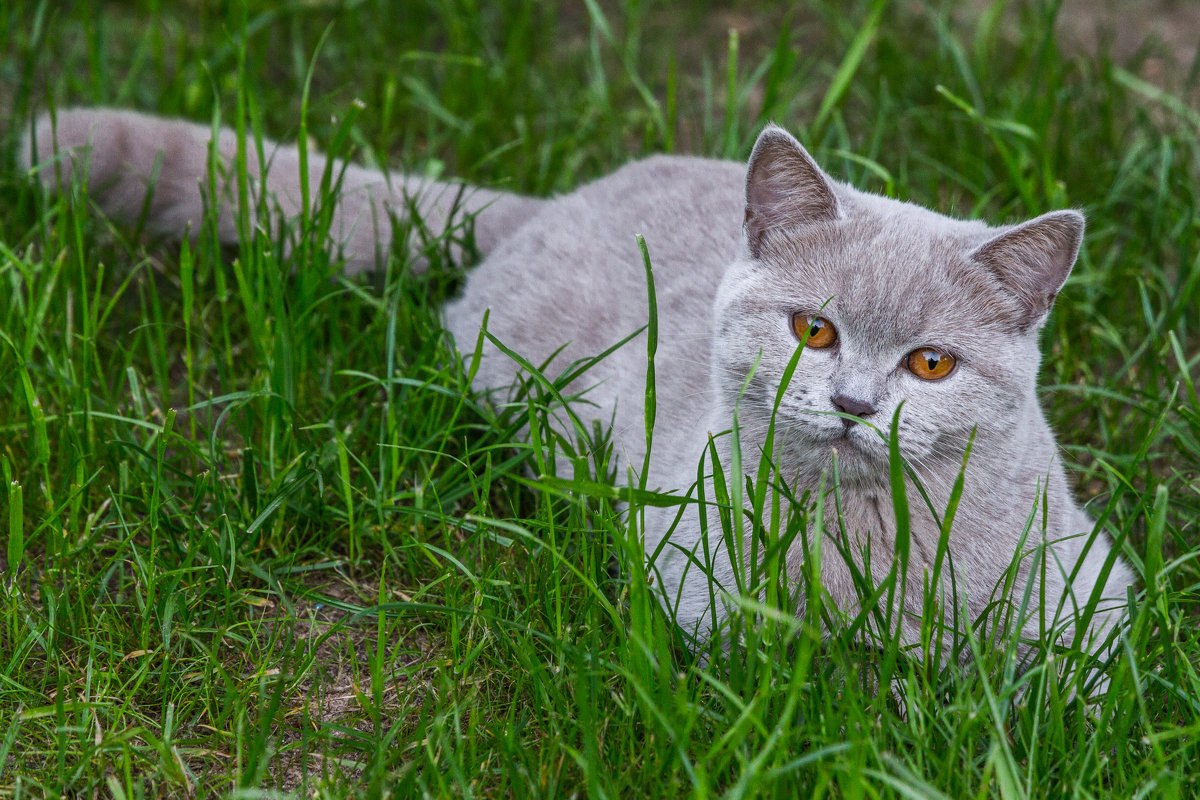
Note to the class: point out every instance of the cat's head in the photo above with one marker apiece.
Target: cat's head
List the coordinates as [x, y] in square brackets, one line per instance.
[902, 305]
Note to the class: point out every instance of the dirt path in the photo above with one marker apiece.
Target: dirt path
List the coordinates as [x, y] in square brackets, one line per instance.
[1165, 32]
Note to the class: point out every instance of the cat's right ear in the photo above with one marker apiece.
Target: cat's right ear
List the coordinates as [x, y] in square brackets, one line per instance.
[784, 188]
[1032, 260]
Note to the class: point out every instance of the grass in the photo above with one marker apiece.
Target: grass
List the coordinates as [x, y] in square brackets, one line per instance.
[261, 538]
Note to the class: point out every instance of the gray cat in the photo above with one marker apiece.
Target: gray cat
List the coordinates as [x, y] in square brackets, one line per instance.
[901, 309]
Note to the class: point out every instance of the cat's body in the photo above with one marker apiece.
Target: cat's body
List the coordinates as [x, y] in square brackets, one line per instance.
[739, 256]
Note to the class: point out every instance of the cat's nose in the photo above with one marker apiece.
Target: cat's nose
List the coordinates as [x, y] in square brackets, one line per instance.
[852, 405]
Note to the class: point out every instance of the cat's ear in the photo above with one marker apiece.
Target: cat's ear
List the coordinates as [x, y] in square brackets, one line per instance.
[1033, 260]
[784, 188]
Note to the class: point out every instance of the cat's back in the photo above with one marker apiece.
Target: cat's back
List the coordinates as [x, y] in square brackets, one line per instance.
[574, 273]
[688, 209]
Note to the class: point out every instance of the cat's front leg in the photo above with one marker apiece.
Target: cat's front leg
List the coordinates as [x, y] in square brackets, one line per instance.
[692, 571]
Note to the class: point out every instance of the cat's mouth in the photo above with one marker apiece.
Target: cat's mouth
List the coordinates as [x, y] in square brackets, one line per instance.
[860, 454]
[853, 435]
[856, 444]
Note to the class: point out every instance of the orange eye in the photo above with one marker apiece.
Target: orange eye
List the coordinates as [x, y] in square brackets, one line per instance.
[821, 333]
[929, 364]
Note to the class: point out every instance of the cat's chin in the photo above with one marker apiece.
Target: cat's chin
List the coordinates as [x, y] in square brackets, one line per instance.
[857, 458]
[858, 465]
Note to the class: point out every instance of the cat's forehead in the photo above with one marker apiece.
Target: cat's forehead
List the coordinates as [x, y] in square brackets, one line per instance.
[907, 273]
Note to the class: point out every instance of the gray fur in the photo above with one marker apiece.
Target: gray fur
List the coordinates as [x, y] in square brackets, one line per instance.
[125, 153]
[735, 252]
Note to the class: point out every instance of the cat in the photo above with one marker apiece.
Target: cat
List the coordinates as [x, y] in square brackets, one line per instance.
[901, 311]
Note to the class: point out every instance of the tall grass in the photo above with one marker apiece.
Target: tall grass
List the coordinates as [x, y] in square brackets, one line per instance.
[261, 536]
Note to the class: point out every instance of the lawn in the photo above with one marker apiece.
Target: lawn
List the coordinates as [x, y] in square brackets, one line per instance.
[260, 537]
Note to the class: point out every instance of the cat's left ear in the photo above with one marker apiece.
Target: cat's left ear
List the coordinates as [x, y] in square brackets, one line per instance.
[1033, 260]
[785, 188]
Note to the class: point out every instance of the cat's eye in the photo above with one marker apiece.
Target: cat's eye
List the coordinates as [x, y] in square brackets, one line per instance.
[929, 364]
[821, 333]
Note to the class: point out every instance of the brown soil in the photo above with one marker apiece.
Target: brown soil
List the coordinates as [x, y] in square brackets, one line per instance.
[1165, 32]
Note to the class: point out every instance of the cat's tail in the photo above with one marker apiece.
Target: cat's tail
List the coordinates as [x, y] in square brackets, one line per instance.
[140, 167]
